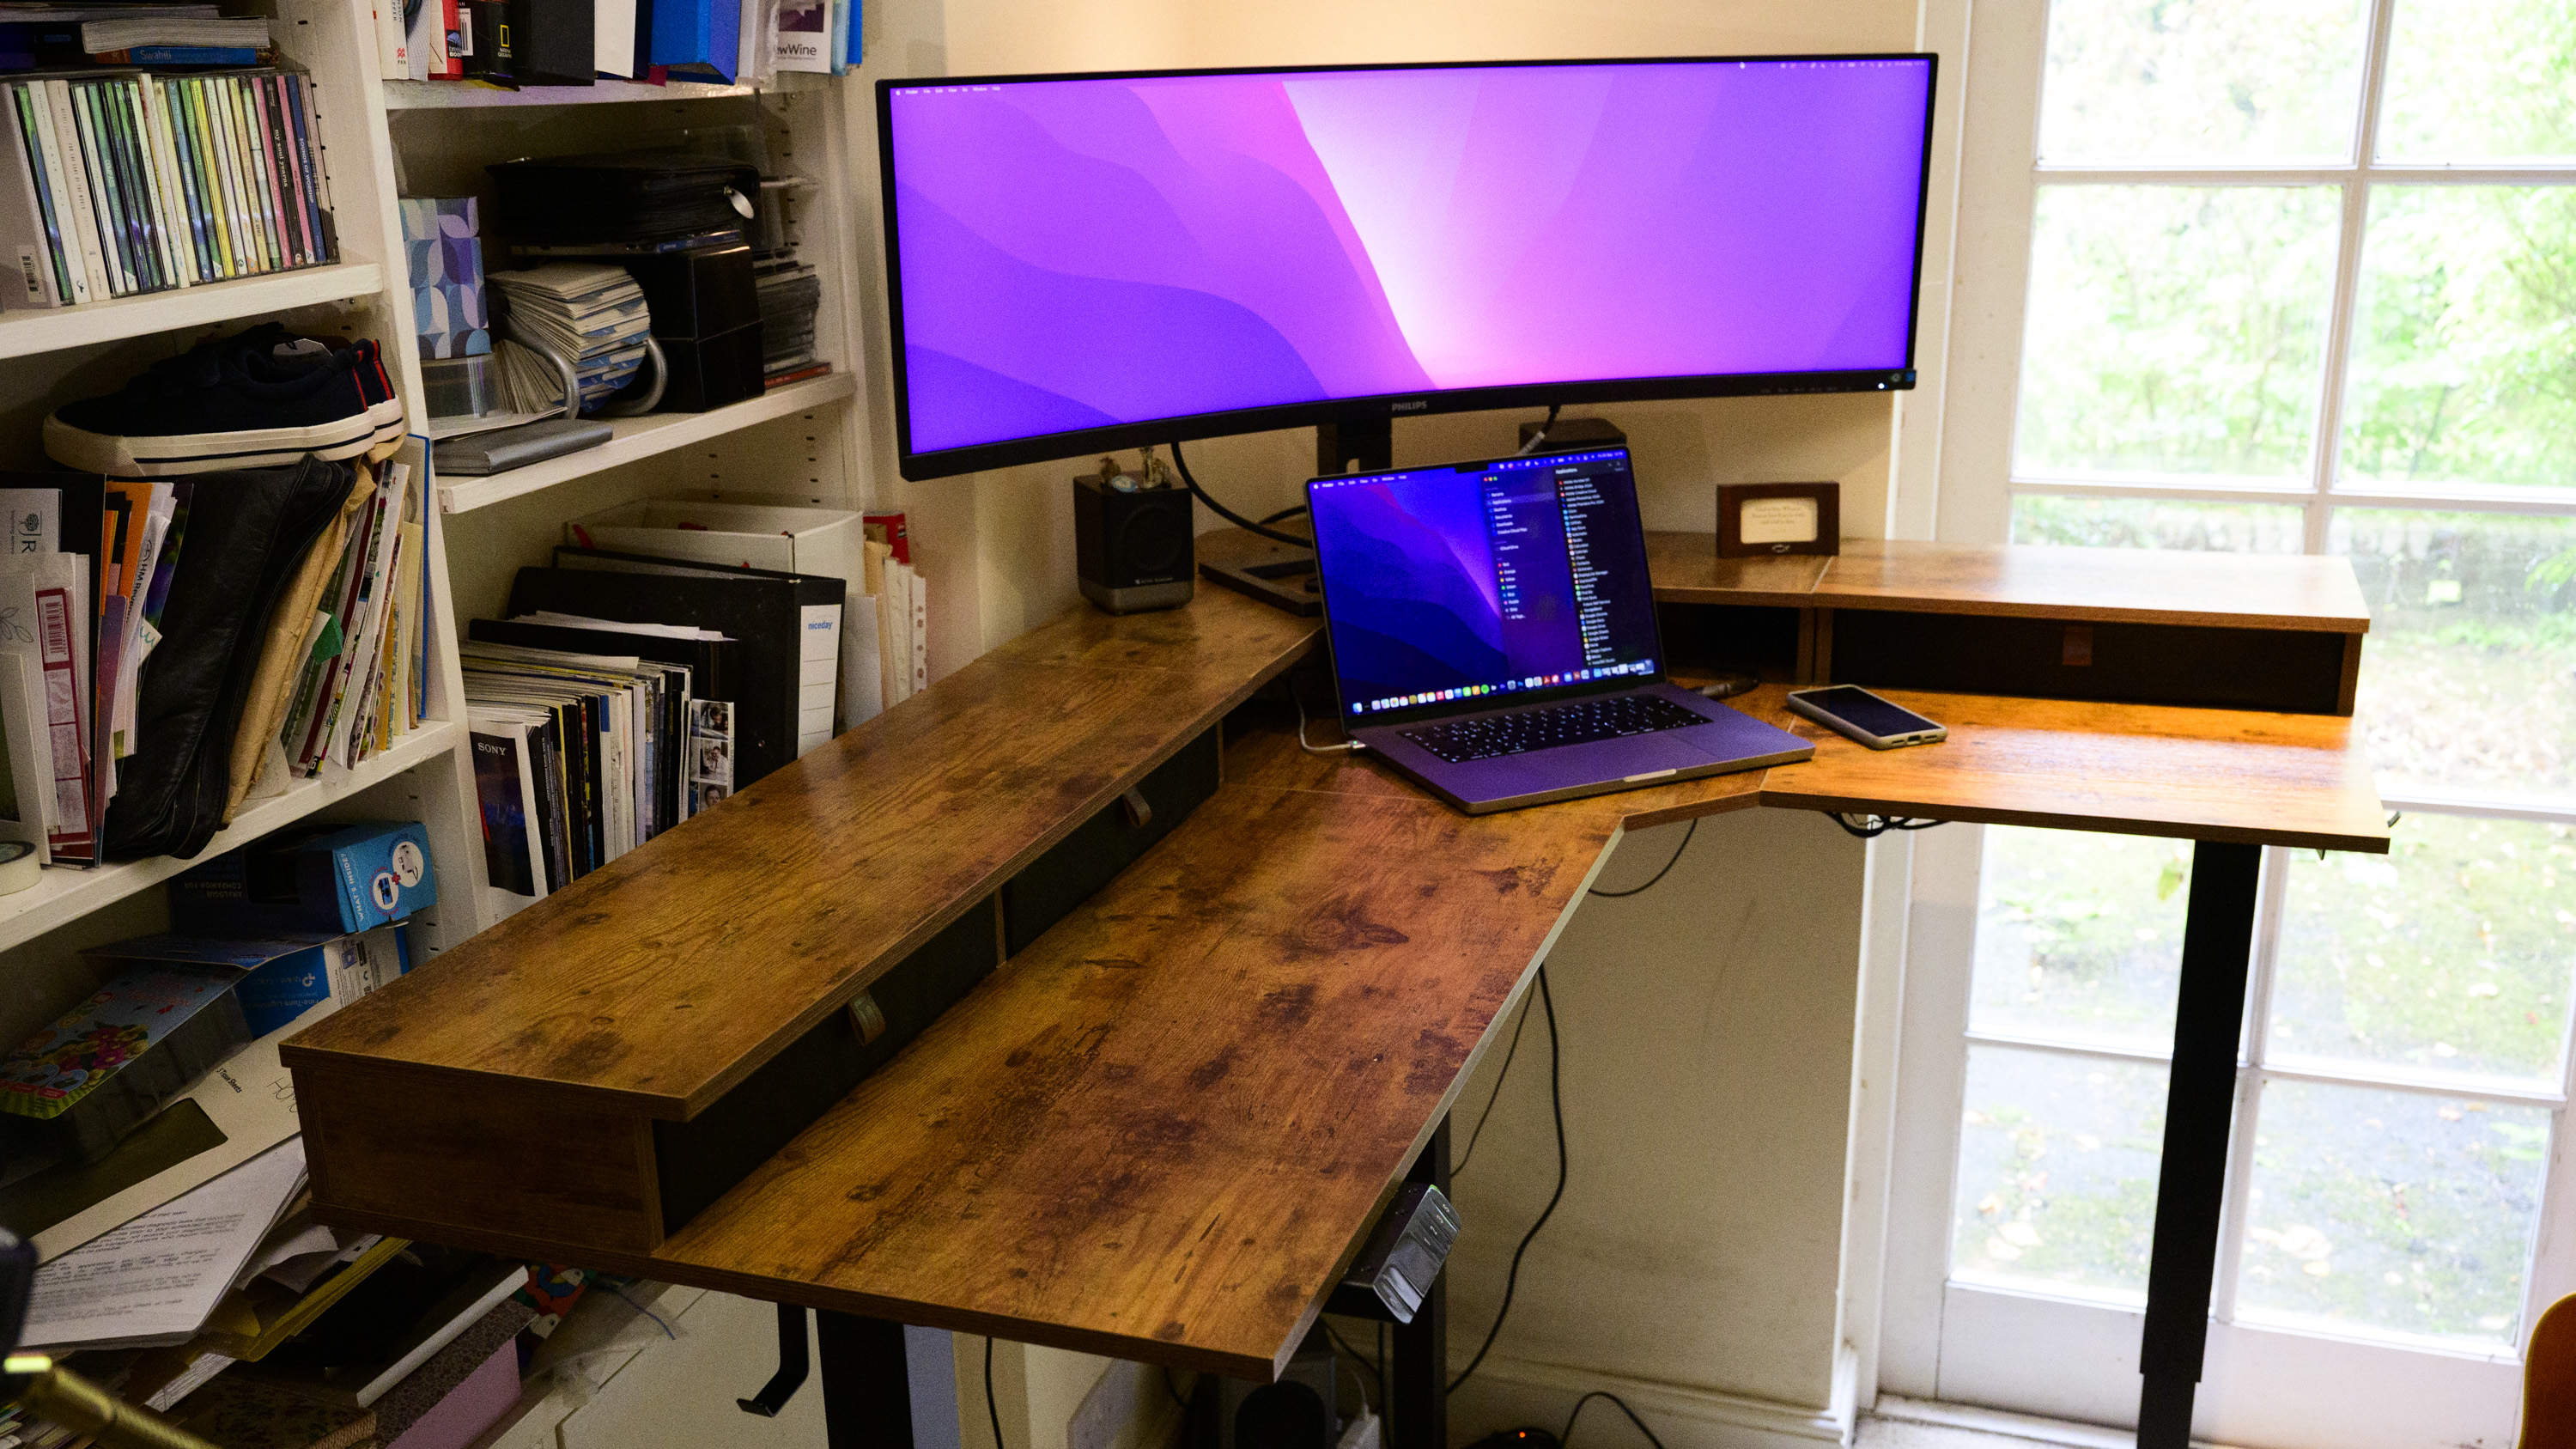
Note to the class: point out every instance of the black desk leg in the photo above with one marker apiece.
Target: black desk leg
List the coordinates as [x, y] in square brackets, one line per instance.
[1420, 1392]
[867, 1395]
[2200, 1103]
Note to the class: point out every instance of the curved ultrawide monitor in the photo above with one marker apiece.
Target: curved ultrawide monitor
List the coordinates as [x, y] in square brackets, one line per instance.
[1098, 261]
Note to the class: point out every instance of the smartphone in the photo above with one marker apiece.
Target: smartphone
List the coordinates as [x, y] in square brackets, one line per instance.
[1849, 710]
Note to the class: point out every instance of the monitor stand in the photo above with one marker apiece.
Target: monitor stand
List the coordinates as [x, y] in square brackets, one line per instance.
[1280, 575]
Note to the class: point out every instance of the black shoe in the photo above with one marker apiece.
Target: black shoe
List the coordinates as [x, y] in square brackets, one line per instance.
[259, 399]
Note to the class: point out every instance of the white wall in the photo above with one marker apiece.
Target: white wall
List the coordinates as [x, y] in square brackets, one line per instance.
[1696, 1265]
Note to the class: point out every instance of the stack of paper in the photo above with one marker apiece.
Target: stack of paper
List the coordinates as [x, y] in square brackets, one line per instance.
[591, 315]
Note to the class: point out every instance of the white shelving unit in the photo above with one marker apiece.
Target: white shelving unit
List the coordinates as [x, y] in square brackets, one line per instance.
[381, 140]
[26, 334]
[641, 438]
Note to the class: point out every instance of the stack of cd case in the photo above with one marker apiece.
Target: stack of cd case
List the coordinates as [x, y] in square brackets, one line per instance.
[589, 314]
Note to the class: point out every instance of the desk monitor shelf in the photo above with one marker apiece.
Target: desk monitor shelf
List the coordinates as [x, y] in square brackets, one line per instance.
[1052, 1158]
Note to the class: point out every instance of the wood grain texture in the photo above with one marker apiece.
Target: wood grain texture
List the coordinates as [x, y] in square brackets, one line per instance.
[2255, 591]
[1687, 570]
[2194, 774]
[448, 1157]
[1156, 1133]
[667, 975]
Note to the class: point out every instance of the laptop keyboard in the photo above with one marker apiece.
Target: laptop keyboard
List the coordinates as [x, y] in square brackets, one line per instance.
[1572, 723]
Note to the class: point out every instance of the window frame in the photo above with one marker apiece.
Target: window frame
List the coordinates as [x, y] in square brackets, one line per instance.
[1976, 488]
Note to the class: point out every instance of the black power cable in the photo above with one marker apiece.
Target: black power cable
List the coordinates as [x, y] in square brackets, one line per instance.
[1556, 1104]
[1540, 437]
[1689, 831]
[1567, 1437]
[1228, 514]
[990, 1405]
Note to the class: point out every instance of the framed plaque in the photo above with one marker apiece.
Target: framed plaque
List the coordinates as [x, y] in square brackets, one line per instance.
[1756, 520]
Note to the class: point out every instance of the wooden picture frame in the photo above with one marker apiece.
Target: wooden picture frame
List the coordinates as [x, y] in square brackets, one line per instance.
[1761, 520]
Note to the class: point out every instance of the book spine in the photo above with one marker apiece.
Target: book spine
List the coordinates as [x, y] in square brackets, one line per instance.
[225, 94]
[183, 161]
[134, 138]
[281, 169]
[219, 231]
[457, 40]
[263, 194]
[166, 182]
[177, 55]
[102, 195]
[124, 117]
[30, 227]
[219, 128]
[308, 143]
[103, 106]
[86, 284]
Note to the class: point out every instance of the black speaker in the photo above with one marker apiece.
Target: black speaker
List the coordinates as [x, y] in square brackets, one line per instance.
[1132, 548]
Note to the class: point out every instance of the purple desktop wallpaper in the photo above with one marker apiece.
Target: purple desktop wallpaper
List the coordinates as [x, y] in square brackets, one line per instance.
[1081, 253]
[1416, 563]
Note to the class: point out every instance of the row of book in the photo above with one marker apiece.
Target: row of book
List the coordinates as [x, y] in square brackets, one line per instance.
[585, 748]
[364, 683]
[517, 43]
[338, 682]
[127, 183]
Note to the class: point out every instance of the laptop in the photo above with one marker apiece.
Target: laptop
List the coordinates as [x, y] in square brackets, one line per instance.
[1493, 634]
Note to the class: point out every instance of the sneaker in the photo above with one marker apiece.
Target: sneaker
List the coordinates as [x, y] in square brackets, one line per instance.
[384, 409]
[258, 399]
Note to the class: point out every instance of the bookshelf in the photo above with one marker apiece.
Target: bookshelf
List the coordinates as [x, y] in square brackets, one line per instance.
[64, 896]
[380, 140]
[27, 334]
[644, 437]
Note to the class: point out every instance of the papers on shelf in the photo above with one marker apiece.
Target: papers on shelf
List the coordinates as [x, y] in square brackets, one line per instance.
[155, 1280]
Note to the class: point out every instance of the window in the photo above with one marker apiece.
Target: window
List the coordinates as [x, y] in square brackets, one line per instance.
[2300, 278]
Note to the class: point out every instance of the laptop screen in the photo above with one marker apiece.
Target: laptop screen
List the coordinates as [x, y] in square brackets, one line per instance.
[1448, 584]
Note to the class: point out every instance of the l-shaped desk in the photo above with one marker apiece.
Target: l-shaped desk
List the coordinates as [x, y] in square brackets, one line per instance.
[1239, 985]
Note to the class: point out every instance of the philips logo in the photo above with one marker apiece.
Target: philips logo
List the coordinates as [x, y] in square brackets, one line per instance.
[1415, 406]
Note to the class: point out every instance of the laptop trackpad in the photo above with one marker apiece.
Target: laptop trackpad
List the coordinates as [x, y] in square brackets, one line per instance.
[1603, 761]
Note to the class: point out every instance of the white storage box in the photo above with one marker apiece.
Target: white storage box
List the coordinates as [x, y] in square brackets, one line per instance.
[762, 533]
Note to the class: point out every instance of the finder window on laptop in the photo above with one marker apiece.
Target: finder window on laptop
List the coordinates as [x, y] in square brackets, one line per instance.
[1493, 634]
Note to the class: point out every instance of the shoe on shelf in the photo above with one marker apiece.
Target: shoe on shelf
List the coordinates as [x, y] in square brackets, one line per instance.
[256, 399]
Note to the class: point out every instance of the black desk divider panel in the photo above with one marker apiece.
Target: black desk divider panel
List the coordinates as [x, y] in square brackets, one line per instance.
[1756, 639]
[701, 1159]
[1104, 845]
[2287, 670]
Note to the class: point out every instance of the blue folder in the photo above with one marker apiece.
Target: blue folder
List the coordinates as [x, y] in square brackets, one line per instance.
[697, 39]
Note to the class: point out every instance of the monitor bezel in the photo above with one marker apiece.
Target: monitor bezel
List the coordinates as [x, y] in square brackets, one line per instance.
[1516, 699]
[1050, 447]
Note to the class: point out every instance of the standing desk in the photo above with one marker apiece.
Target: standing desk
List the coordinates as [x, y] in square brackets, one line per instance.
[1202, 1069]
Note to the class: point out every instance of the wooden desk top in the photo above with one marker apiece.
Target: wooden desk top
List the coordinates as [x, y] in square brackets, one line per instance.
[665, 976]
[2148, 586]
[1156, 1131]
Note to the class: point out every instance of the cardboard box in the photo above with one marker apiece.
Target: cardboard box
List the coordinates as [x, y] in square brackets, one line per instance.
[82, 1084]
[278, 978]
[333, 879]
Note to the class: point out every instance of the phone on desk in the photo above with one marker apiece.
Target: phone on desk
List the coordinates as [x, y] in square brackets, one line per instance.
[1849, 710]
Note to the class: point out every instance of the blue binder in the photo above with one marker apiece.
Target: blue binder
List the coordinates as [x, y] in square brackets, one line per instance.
[698, 39]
